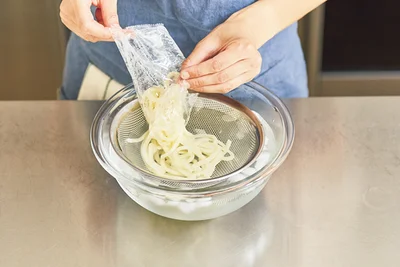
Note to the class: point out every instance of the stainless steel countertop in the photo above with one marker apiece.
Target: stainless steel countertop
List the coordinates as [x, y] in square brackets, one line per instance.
[334, 202]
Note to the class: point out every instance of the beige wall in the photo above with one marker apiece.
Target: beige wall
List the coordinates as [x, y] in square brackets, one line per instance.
[31, 49]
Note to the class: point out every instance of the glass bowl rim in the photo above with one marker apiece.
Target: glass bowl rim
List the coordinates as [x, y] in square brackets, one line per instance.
[277, 104]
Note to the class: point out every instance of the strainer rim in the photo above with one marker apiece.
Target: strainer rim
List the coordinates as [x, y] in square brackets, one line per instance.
[281, 155]
[217, 97]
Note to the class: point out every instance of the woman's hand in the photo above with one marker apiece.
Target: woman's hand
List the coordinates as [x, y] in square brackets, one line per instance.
[76, 15]
[222, 61]
[227, 57]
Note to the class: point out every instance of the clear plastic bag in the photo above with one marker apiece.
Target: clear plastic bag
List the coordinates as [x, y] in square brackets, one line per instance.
[153, 60]
[167, 148]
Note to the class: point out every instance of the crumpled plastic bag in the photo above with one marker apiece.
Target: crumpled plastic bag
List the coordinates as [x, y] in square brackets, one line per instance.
[152, 57]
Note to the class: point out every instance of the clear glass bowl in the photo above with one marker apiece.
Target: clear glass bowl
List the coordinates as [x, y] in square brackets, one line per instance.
[203, 199]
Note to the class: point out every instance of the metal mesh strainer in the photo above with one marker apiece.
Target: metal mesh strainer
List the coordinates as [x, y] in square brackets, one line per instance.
[219, 115]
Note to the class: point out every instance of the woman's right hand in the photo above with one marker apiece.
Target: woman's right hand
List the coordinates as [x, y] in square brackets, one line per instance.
[76, 15]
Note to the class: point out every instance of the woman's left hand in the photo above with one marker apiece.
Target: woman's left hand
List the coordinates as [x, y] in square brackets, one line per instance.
[222, 61]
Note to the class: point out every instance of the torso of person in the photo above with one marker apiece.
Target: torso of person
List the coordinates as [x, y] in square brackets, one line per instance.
[189, 21]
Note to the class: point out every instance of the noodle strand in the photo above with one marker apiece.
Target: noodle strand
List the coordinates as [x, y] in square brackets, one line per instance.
[167, 148]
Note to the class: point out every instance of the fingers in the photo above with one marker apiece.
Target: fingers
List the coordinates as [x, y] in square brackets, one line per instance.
[221, 77]
[72, 25]
[233, 53]
[216, 64]
[76, 15]
[88, 26]
[225, 87]
[204, 50]
[99, 16]
[238, 63]
[109, 12]
[97, 31]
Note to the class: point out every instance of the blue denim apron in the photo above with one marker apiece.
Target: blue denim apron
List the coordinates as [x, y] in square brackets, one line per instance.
[188, 21]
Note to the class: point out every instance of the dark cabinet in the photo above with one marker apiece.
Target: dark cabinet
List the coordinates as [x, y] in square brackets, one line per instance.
[361, 35]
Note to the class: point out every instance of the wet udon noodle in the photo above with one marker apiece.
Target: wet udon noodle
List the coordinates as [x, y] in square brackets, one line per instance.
[167, 148]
